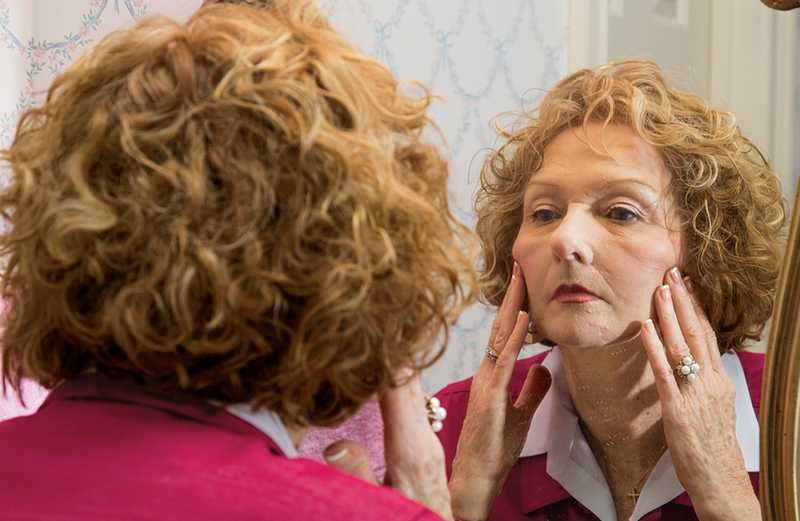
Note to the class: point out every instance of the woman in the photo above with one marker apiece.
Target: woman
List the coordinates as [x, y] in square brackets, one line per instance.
[218, 234]
[637, 229]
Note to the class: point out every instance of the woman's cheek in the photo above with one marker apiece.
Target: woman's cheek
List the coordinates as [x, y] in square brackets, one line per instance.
[652, 258]
[655, 257]
[524, 252]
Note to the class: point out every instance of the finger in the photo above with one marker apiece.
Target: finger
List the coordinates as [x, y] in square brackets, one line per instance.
[504, 367]
[506, 316]
[536, 384]
[691, 329]
[666, 385]
[671, 333]
[350, 458]
[714, 355]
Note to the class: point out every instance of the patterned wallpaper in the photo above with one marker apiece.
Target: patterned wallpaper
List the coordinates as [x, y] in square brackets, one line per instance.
[480, 57]
[35, 46]
[482, 61]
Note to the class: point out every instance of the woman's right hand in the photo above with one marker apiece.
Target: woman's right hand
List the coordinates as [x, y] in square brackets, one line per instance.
[495, 429]
[414, 456]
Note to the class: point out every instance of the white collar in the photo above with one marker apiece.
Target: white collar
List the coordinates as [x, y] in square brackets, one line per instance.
[570, 461]
[267, 422]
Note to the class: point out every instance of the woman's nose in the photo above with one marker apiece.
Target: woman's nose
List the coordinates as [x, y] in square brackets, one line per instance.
[572, 239]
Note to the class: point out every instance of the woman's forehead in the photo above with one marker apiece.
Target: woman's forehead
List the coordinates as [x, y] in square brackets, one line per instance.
[597, 154]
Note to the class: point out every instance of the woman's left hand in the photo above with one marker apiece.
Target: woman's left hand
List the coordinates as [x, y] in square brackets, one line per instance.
[699, 416]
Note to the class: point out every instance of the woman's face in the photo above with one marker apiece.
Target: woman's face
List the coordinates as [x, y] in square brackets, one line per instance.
[595, 240]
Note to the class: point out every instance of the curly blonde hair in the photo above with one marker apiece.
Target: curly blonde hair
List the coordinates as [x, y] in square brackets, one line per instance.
[259, 4]
[729, 201]
[241, 208]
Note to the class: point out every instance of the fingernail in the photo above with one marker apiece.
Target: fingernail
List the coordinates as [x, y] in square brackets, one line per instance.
[648, 325]
[516, 269]
[689, 284]
[336, 456]
[664, 292]
[675, 276]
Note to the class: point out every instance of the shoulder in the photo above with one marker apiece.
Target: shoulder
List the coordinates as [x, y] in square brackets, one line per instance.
[179, 463]
[753, 366]
[313, 490]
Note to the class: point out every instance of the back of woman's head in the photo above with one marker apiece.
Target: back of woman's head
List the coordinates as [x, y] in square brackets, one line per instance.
[239, 207]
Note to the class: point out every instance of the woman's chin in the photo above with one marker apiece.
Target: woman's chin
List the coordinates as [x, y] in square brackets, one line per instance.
[580, 338]
[586, 335]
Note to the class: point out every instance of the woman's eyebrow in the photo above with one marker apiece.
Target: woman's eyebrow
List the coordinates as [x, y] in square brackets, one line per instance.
[628, 181]
[535, 183]
[604, 186]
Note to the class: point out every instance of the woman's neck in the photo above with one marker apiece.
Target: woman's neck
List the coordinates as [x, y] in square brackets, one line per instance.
[614, 393]
[296, 433]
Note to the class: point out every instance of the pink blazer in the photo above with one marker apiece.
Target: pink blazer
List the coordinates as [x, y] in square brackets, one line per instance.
[100, 449]
[529, 492]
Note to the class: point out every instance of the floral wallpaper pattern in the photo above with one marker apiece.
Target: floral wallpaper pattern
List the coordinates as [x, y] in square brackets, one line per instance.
[480, 57]
[44, 55]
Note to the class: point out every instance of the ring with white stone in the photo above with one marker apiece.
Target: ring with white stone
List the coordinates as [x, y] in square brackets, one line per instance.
[436, 413]
[688, 369]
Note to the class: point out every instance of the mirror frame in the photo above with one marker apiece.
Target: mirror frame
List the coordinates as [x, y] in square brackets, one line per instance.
[780, 391]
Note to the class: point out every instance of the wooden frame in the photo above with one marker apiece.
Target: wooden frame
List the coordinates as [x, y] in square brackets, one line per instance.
[780, 391]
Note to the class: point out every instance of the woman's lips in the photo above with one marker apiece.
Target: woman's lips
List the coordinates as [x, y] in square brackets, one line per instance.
[573, 294]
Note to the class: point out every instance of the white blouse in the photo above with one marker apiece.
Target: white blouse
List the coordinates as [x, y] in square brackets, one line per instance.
[267, 422]
[572, 464]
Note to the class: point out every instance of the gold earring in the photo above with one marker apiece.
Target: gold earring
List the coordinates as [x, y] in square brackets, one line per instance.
[530, 338]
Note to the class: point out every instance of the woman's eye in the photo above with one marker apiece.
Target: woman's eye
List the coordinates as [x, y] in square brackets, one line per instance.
[543, 216]
[622, 214]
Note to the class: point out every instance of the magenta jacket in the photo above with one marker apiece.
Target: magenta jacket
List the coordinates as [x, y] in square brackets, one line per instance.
[101, 450]
[529, 492]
